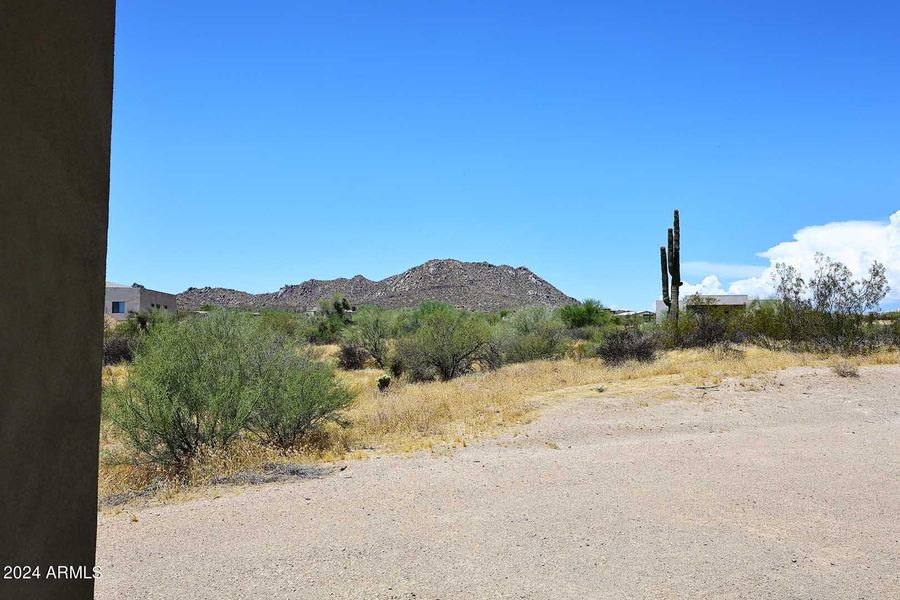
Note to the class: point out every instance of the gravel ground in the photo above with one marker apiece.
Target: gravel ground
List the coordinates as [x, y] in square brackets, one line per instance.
[782, 486]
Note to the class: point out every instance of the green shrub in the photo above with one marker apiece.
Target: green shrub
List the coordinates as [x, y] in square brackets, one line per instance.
[328, 324]
[446, 343]
[894, 332]
[705, 325]
[373, 329]
[140, 323]
[528, 334]
[119, 343]
[196, 383]
[290, 325]
[588, 313]
[587, 333]
[297, 395]
[620, 346]
[765, 324]
[383, 382]
[826, 312]
[326, 329]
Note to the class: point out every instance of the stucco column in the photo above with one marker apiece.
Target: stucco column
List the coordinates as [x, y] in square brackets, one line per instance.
[56, 70]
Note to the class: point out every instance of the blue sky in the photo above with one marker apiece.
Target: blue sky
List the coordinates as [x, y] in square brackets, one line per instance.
[263, 143]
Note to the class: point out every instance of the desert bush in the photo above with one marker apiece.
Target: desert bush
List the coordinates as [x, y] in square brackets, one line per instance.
[620, 346]
[336, 305]
[116, 348]
[373, 329]
[326, 329]
[588, 313]
[580, 350]
[845, 368]
[328, 324]
[705, 325]
[352, 356]
[395, 365]
[446, 343]
[587, 333]
[413, 319]
[528, 334]
[121, 338]
[383, 382]
[297, 396]
[196, 383]
[828, 312]
[139, 323]
[765, 325]
[894, 332]
[290, 325]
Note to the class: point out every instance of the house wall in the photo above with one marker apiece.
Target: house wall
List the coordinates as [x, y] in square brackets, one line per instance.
[661, 311]
[131, 296]
[56, 69]
[136, 299]
[162, 299]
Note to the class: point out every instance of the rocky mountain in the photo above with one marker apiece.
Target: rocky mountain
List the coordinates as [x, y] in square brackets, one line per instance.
[470, 285]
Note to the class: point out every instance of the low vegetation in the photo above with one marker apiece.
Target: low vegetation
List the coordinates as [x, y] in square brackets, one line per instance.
[197, 384]
[200, 396]
[831, 312]
[845, 368]
[446, 343]
[622, 346]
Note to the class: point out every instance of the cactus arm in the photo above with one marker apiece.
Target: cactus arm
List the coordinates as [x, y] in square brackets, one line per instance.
[664, 268]
[676, 243]
[671, 253]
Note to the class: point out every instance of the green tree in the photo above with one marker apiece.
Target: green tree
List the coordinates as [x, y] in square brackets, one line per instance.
[373, 329]
[447, 343]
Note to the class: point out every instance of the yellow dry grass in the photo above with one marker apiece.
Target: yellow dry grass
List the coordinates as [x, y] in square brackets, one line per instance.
[422, 416]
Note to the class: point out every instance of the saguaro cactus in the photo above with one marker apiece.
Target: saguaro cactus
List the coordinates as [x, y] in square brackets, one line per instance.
[670, 265]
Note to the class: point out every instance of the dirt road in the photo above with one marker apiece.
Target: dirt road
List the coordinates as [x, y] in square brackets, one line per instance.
[783, 486]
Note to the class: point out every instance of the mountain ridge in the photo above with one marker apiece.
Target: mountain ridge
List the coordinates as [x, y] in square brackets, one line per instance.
[469, 285]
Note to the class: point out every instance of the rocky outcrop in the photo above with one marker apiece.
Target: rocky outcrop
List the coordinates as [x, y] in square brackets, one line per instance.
[470, 285]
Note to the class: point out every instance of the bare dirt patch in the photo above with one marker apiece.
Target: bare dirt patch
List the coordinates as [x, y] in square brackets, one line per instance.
[781, 485]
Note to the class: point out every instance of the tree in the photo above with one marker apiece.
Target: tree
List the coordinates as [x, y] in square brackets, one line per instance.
[373, 329]
[447, 343]
[829, 310]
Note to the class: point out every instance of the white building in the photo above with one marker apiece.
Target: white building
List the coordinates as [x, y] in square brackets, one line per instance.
[121, 300]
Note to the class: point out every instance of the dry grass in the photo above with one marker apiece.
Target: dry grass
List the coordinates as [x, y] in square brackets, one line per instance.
[411, 417]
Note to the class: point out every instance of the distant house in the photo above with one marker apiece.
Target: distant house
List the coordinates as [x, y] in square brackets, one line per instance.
[727, 302]
[122, 300]
[643, 315]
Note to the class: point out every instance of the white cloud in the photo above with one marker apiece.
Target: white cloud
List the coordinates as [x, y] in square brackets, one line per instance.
[709, 285]
[855, 243]
[729, 271]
